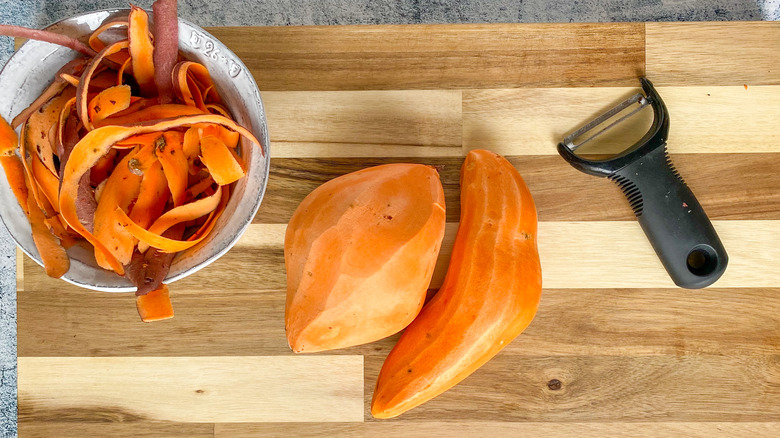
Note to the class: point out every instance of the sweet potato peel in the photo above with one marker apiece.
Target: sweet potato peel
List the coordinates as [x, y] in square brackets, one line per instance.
[109, 101]
[141, 50]
[43, 35]
[153, 236]
[168, 149]
[8, 139]
[152, 197]
[156, 305]
[72, 68]
[12, 165]
[130, 150]
[83, 88]
[122, 186]
[55, 259]
[166, 40]
[222, 164]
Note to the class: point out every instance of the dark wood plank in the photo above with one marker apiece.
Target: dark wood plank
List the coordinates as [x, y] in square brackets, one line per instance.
[596, 388]
[439, 56]
[259, 267]
[227, 322]
[729, 186]
[425, 429]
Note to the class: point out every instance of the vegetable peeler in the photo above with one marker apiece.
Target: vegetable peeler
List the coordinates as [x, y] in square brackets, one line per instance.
[673, 220]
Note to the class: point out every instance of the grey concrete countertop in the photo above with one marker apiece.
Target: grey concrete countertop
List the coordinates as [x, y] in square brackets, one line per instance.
[39, 13]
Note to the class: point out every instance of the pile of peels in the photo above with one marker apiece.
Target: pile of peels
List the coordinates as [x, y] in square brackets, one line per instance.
[130, 152]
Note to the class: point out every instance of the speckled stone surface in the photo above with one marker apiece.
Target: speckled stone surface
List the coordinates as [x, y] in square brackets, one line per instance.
[39, 13]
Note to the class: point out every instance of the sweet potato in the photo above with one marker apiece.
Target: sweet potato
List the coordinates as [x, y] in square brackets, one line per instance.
[489, 296]
[360, 251]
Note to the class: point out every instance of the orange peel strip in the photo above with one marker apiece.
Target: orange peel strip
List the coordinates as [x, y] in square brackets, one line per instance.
[186, 212]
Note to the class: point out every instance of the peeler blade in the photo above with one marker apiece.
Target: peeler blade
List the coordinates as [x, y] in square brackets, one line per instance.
[639, 98]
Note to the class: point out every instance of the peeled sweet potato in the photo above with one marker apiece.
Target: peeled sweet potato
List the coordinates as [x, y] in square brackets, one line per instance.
[489, 296]
[360, 251]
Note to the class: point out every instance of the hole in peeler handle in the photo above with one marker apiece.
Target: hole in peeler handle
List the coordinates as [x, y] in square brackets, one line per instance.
[702, 260]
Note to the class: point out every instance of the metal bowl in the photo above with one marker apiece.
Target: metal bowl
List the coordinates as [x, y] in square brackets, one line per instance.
[31, 69]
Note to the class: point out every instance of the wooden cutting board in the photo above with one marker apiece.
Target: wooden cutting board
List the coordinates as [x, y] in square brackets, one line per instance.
[615, 347]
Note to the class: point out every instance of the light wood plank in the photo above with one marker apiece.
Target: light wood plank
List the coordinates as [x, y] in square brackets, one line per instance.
[706, 119]
[617, 254]
[364, 123]
[713, 53]
[607, 322]
[573, 255]
[439, 56]
[510, 121]
[425, 429]
[197, 390]
[729, 186]
[111, 425]
[306, 149]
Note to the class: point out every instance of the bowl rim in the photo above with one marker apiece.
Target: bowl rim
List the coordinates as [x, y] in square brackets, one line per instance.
[264, 145]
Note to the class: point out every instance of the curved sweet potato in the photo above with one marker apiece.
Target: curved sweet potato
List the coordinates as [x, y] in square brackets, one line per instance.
[489, 296]
[360, 251]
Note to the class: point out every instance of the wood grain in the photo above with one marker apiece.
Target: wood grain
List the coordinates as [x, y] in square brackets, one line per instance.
[598, 322]
[424, 429]
[633, 354]
[526, 121]
[241, 389]
[729, 186]
[200, 390]
[713, 53]
[705, 119]
[609, 388]
[439, 56]
[364, 123]
[71, 423]
[572, 254]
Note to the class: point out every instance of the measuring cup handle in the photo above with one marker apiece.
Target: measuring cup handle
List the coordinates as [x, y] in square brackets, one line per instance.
[673, 220]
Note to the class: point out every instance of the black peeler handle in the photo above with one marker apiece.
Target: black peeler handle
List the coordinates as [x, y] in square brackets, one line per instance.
[673, 220]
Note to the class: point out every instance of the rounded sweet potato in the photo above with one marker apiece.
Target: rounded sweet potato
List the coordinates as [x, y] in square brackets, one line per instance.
[360, 251]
